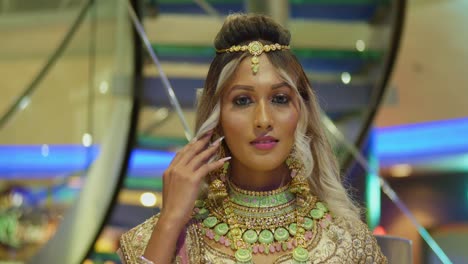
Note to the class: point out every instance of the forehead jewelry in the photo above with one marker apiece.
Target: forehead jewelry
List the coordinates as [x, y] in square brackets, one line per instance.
[255, 48]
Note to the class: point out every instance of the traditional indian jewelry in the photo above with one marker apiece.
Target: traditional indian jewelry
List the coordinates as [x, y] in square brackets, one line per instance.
[259, 211]
[224, 225]
[301, 188]
[217, 191]
[255, 48]
[299, 184]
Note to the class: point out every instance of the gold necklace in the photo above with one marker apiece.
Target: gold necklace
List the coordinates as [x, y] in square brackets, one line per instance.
[250, 227]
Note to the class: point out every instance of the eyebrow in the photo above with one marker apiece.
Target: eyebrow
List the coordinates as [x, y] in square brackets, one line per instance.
[279, 85]
[251, 88]
[242, 87]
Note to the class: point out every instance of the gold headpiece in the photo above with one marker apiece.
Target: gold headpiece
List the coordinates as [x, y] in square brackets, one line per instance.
[255, 48]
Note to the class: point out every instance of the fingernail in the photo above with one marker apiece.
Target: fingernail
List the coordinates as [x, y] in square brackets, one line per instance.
[225, 159]
[216, 143]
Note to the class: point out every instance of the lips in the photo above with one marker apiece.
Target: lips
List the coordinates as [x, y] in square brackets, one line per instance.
[264, 142]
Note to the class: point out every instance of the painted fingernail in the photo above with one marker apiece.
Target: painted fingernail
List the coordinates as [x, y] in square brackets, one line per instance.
[216, 143]
[225, 159]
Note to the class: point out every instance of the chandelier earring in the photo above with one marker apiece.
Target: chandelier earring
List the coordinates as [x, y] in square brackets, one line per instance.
[217, 191]
[299, 184]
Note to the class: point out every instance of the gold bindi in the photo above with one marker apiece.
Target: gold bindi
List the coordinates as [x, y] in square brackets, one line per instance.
[255, 48]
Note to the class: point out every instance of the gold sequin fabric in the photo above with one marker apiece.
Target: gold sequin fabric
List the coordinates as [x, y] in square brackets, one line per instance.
[340, 241]
[133, 243]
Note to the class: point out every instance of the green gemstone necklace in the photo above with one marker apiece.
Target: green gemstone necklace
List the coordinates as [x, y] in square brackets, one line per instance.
[262, 222]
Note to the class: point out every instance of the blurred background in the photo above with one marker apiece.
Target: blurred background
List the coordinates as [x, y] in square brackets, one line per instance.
[87, 127]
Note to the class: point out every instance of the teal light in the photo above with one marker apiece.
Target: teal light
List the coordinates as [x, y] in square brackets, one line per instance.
[373, 189]
[433, 245]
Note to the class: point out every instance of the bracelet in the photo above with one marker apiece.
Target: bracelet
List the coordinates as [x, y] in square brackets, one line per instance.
[144, 260]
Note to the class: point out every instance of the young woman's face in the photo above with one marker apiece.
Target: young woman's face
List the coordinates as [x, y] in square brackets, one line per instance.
[259, 115]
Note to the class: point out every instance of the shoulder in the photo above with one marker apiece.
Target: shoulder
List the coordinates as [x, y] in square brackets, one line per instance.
[133, 242]
[358, 240]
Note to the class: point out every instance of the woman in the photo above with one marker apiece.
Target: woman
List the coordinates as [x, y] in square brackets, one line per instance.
[268, 186]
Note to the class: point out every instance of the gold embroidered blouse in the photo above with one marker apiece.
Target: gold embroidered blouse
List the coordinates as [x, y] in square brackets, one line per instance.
[339, 242]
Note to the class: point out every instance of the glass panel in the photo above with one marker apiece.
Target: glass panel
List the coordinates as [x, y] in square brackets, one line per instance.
[30, 34]
[60, 138]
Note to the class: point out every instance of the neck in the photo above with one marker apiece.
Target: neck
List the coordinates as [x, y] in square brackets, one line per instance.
[258, 180]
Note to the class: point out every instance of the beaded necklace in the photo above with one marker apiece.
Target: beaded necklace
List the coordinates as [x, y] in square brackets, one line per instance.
[251, 222]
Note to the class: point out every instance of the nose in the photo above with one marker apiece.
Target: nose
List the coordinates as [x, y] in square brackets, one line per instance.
[263, 118]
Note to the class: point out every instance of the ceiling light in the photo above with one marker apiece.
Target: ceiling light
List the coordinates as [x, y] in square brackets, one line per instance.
[104, 87]
[346, 77]
[360, 45]
[401, 170]
[148, 199]
[87, 140]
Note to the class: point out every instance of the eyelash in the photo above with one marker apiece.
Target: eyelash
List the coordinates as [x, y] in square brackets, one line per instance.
[285, 97]
[282, 96]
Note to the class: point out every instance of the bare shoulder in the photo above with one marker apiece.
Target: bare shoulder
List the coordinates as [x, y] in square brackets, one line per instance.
[133, 242]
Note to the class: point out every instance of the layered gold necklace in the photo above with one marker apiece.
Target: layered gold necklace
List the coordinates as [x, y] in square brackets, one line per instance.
[252, 222]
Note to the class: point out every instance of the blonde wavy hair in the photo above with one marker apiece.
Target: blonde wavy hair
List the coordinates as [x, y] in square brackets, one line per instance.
[311, 142]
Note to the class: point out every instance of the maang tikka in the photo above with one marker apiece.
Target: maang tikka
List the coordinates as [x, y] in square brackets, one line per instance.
[255, 48]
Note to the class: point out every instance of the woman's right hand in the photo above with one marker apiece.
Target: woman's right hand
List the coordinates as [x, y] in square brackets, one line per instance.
[182, 180]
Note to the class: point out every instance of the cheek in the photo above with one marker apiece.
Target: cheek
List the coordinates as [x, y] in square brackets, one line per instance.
[234, 127]
[288, 121]
[230, 118]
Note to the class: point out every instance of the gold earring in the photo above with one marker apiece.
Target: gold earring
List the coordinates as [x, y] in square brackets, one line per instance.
[299, 184]
[217, 191]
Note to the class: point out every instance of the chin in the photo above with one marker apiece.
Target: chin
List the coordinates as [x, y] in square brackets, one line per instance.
[265, 163]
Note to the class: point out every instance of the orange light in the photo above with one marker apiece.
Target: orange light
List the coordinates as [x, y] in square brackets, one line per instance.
[379, 230]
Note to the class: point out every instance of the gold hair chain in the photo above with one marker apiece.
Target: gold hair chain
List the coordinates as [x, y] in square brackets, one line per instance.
[255, 48]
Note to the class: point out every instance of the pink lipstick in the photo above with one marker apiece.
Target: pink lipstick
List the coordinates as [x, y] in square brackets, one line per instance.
[264, 142]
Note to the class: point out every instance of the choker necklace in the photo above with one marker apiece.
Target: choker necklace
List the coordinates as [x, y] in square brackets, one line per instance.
[256, 222]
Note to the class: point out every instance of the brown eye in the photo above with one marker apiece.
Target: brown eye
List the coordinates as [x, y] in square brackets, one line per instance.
[242, 101]
[281, 99]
